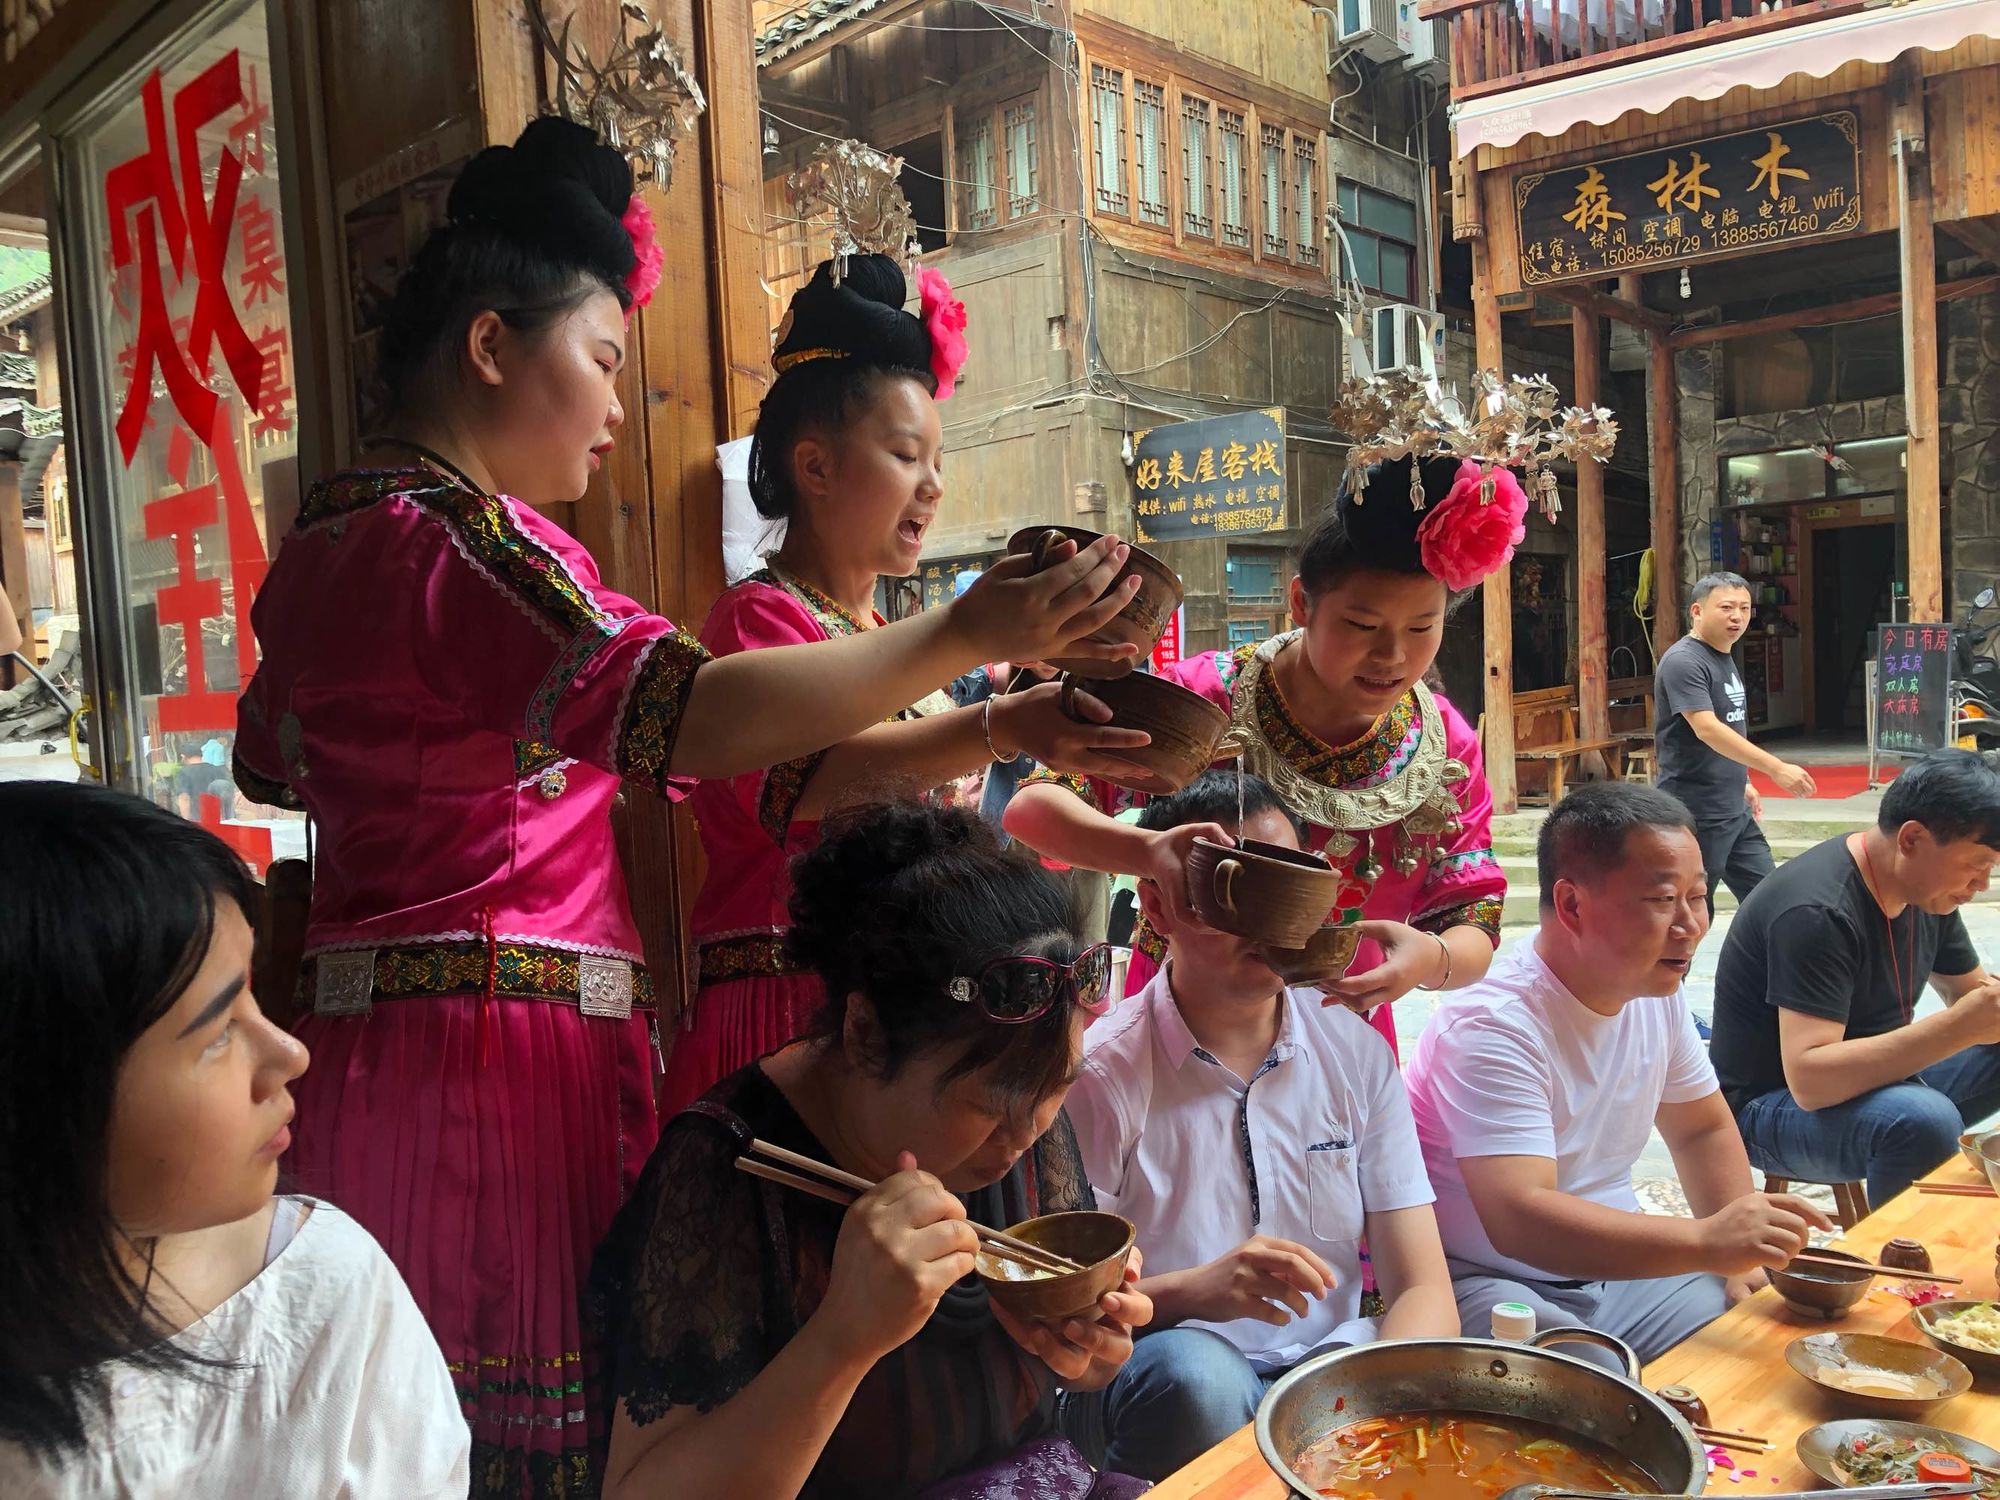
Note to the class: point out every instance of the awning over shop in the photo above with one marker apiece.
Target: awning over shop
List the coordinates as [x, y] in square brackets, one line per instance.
[1709, 71]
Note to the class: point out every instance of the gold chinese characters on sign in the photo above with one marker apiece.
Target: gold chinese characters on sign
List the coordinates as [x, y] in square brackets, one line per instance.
[1217, 476]
[1725, 195]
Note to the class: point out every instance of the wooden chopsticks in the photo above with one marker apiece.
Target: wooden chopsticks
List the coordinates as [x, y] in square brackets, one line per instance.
[1742, 1442]
[835, 1186]
[1835, 1262]
[1956, 1190]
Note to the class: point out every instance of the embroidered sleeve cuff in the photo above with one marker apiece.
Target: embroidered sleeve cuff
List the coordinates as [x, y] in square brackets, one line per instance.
[656, 697]
[1483, 914]
[1069, 781]
[263, 789]
[784, 786]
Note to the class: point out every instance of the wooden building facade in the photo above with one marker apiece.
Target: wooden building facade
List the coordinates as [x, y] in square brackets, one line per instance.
[1796, 207]
[312, 148]
[1137, 201]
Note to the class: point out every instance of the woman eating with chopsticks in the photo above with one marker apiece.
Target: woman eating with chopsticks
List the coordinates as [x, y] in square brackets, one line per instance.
[765, 1341]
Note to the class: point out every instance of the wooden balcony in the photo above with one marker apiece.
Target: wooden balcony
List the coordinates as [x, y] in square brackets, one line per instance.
[1497, 45]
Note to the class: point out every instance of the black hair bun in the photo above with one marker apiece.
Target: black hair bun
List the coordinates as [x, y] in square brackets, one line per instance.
[861, 316]
[837, 883]
[558, 188]
[1380, 523]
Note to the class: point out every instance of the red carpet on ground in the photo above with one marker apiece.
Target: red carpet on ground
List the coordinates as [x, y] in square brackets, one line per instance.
[1833, 781]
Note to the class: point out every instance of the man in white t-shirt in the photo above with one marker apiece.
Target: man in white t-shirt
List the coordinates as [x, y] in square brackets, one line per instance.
[1253, 1134]
[1535, 1090]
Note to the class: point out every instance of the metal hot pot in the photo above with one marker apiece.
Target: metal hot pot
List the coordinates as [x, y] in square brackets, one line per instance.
[1482, 1375]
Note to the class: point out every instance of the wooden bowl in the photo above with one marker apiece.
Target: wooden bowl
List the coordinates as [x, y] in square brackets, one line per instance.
[1187, 729]
[1818, 1355]
[1823, 1291]
[1979, 1361]
[1140, 623]
[1101, 1242]
[1818, 1446]
[1275, 896]
[1325, 956]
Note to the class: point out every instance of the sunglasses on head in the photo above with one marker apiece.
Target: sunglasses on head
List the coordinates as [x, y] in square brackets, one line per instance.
[1021, 988]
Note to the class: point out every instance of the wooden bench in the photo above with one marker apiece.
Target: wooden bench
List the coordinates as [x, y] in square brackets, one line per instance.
[1547, 749]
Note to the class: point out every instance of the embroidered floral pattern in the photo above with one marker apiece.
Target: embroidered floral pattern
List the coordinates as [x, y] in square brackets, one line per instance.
[531, 757]
[1378, 755]
[656, 697]
[1147, 941]
[834, 617]
[751, 955]
[1465, 860]
[784, 786]
[524, 971]
[1483, 913]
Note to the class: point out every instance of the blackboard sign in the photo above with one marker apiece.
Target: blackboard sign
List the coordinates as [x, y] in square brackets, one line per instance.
[1219, 476]
[940, 576]
[1755, 190]
[1912, 689]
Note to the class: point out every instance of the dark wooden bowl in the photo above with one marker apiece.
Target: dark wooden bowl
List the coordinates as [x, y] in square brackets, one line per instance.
[1187, 729]
[1275, 896]
[1140, 623]
[1979, 1361]
[1823, 1291]
[1102, 1243]
[1325, 956]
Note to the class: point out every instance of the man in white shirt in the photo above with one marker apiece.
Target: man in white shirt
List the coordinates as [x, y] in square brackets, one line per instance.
[1535, 1090]
[1253, 1134]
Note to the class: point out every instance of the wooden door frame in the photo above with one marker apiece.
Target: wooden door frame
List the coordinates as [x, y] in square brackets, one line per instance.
[1811, 527]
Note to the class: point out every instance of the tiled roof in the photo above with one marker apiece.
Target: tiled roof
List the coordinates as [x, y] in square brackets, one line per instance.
[17, 371]
[19, 301]
[808, 24]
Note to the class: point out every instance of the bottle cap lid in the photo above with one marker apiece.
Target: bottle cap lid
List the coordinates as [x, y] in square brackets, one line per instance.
[1942, 1468]
[1514, 1321]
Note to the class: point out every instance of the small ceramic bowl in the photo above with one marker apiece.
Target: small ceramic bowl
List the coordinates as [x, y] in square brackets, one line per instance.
[1272, 895]
[1187, 730]
[1325, 956]
[1140, 623]
[1101, 1243]
[1822, 1357]
[1988, 1146]
[1823, 1291]
[1927, 1317]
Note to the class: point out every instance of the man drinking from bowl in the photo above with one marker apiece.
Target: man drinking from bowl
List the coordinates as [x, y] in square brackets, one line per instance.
[1535, 1090]
[1254, 1134]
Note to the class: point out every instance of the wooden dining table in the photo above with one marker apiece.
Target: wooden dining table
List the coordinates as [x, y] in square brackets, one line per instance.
[1737, 1363]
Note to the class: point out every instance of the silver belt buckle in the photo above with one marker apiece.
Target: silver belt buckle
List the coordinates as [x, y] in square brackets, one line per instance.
[604, 987]
[345, 984]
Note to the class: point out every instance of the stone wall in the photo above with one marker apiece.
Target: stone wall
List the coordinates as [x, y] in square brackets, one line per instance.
[1969, 414]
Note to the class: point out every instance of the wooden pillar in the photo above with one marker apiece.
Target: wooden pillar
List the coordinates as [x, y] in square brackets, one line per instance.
[1911, 166]
[1663, 430]
[14, 565]
[1593, 721]
[1496, 595]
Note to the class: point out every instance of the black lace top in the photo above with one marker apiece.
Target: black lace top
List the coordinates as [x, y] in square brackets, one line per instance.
[708, 1271]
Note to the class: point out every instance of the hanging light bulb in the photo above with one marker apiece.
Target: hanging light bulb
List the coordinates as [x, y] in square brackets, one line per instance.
[770, 138]
[1687, 284]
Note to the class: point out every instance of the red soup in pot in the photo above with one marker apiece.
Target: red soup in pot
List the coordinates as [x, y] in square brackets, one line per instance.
[1448, 1455]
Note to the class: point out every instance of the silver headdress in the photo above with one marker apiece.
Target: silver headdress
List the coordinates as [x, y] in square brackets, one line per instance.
[856, 187]
[641, 99]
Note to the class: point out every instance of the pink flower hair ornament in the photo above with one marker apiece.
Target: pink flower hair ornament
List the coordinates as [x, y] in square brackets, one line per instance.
[644, 277]
[1465, 538]
[944, 316]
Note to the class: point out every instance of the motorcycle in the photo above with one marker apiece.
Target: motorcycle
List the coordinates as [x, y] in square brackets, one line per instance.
[1975, 681]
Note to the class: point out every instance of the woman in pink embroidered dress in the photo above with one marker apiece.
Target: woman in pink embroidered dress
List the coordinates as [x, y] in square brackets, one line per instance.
[848, 453]
[453, 694]
[1335, 715]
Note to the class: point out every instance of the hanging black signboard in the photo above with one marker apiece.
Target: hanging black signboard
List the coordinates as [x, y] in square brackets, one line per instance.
[1725, 195]
[1219, 476]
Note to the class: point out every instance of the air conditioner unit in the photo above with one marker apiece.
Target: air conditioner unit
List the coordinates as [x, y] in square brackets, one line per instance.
[1369, 26]
[1426, 44]
[1401, 337]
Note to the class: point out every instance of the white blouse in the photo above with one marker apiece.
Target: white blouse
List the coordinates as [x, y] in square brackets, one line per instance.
[340, 1393]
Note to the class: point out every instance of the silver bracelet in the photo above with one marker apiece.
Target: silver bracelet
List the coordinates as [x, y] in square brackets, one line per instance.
[986, 728]
[1434, 988]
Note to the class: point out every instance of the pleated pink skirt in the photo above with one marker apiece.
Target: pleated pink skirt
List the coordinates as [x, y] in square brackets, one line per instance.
[488, 1169]
[735, 1022]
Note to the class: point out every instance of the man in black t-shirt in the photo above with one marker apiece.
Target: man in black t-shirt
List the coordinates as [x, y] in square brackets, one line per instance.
[1827, 1074]
[1699, 749]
